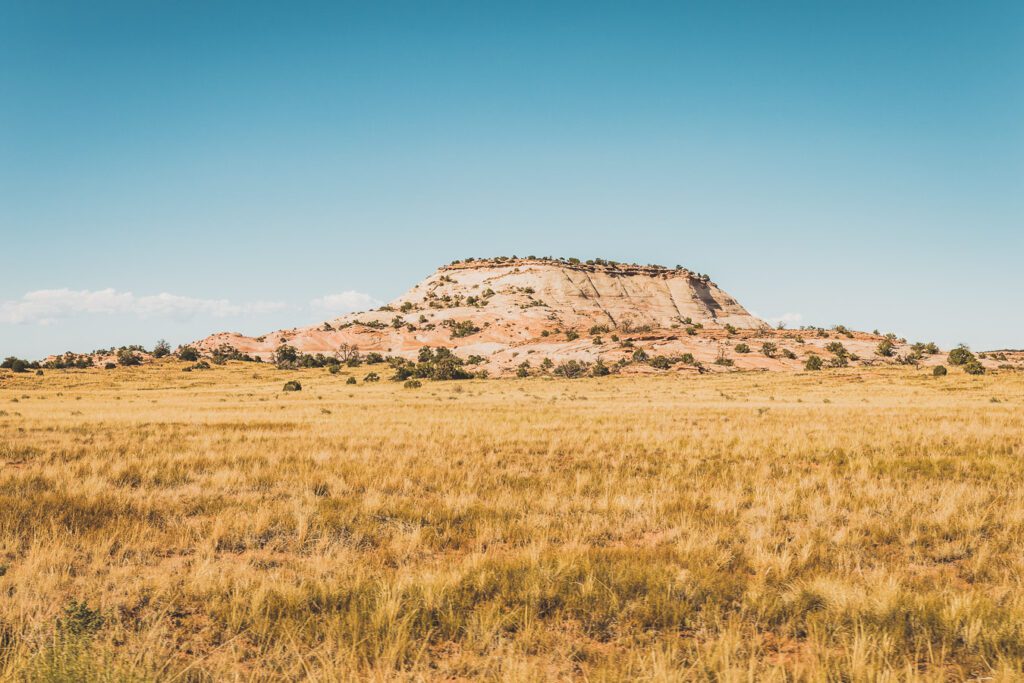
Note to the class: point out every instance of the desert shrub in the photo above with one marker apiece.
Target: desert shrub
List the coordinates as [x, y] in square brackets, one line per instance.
[109, 366]
[161, 349]
[640, 356]
[372, 377]
[334, 369]
[837, 349]
[814, 362]
[15, 364]
[742, 348]
[687, 359]
[69, 360]
[571, 369]
[406, 307]
[128, 358]
[600, 369]
[286, 356]
[940, 371]
[730, 329]
[886, 348]
[786, 353]
[843, 330]
[769, 349]
[372, 358]
[523, 370]
[974, 367]
[436, 364]
[691, 330]
[474, 360]
[461, 328]
[961, 355]
[225, 352]
[293, 385]
[201, 365]
[350, 380]
[412, 384]
[572, 335]
[188, 353]
[545, 333]
[599, 329]
[660, 362]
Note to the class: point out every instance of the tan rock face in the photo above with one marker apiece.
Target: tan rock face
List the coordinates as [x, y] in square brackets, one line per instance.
[511, 311]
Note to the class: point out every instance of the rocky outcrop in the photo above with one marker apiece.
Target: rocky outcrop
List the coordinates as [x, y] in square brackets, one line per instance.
[511, 311]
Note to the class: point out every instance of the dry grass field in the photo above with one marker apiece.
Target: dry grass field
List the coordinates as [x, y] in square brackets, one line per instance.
[206, 526]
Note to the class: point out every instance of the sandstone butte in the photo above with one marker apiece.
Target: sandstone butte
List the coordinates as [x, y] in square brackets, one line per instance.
[511, 310]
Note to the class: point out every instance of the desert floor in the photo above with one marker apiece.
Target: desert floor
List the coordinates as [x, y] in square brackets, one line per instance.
[842, 525]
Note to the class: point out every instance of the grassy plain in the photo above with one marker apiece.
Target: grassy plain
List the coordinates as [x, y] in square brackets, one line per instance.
[842, 525]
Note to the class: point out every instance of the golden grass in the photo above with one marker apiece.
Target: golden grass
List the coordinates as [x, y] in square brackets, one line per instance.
[849, 525]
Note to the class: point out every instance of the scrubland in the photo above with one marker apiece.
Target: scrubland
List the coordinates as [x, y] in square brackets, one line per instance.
[206, 526]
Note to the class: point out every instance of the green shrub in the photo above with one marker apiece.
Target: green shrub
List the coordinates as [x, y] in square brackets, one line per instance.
[940, 371]
[837, 349]
[436, 364]
[886, 348]
[961, 355]
[128, 358]
[15, 364]
[572, 335]
[334, 368]
[786, 353]
[600, 369]
[109, 366]
[660, 362]
[292, 385]
[524, 369]
[286, 356]
[599, 329]
[412, 384]
[188, 353]
[814, 363]
[640, 356]
[730, 329]
[974, 367]
[462, 328]
[350, 380]
[161, 349]
[688, 359]
[742, 348]
[571, 369]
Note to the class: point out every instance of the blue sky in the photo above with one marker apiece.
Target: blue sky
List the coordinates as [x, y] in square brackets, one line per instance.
[173, 169]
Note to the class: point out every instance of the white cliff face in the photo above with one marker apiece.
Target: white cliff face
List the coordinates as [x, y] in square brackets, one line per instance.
[579, 295]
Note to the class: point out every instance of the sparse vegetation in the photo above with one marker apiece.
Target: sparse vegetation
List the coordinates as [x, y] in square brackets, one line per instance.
[961, 355]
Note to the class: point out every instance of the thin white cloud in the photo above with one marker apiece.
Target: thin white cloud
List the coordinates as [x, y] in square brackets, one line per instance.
[344, 302]
[46, 306]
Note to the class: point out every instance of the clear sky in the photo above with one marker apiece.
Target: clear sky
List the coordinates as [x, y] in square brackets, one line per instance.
[170, 169]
